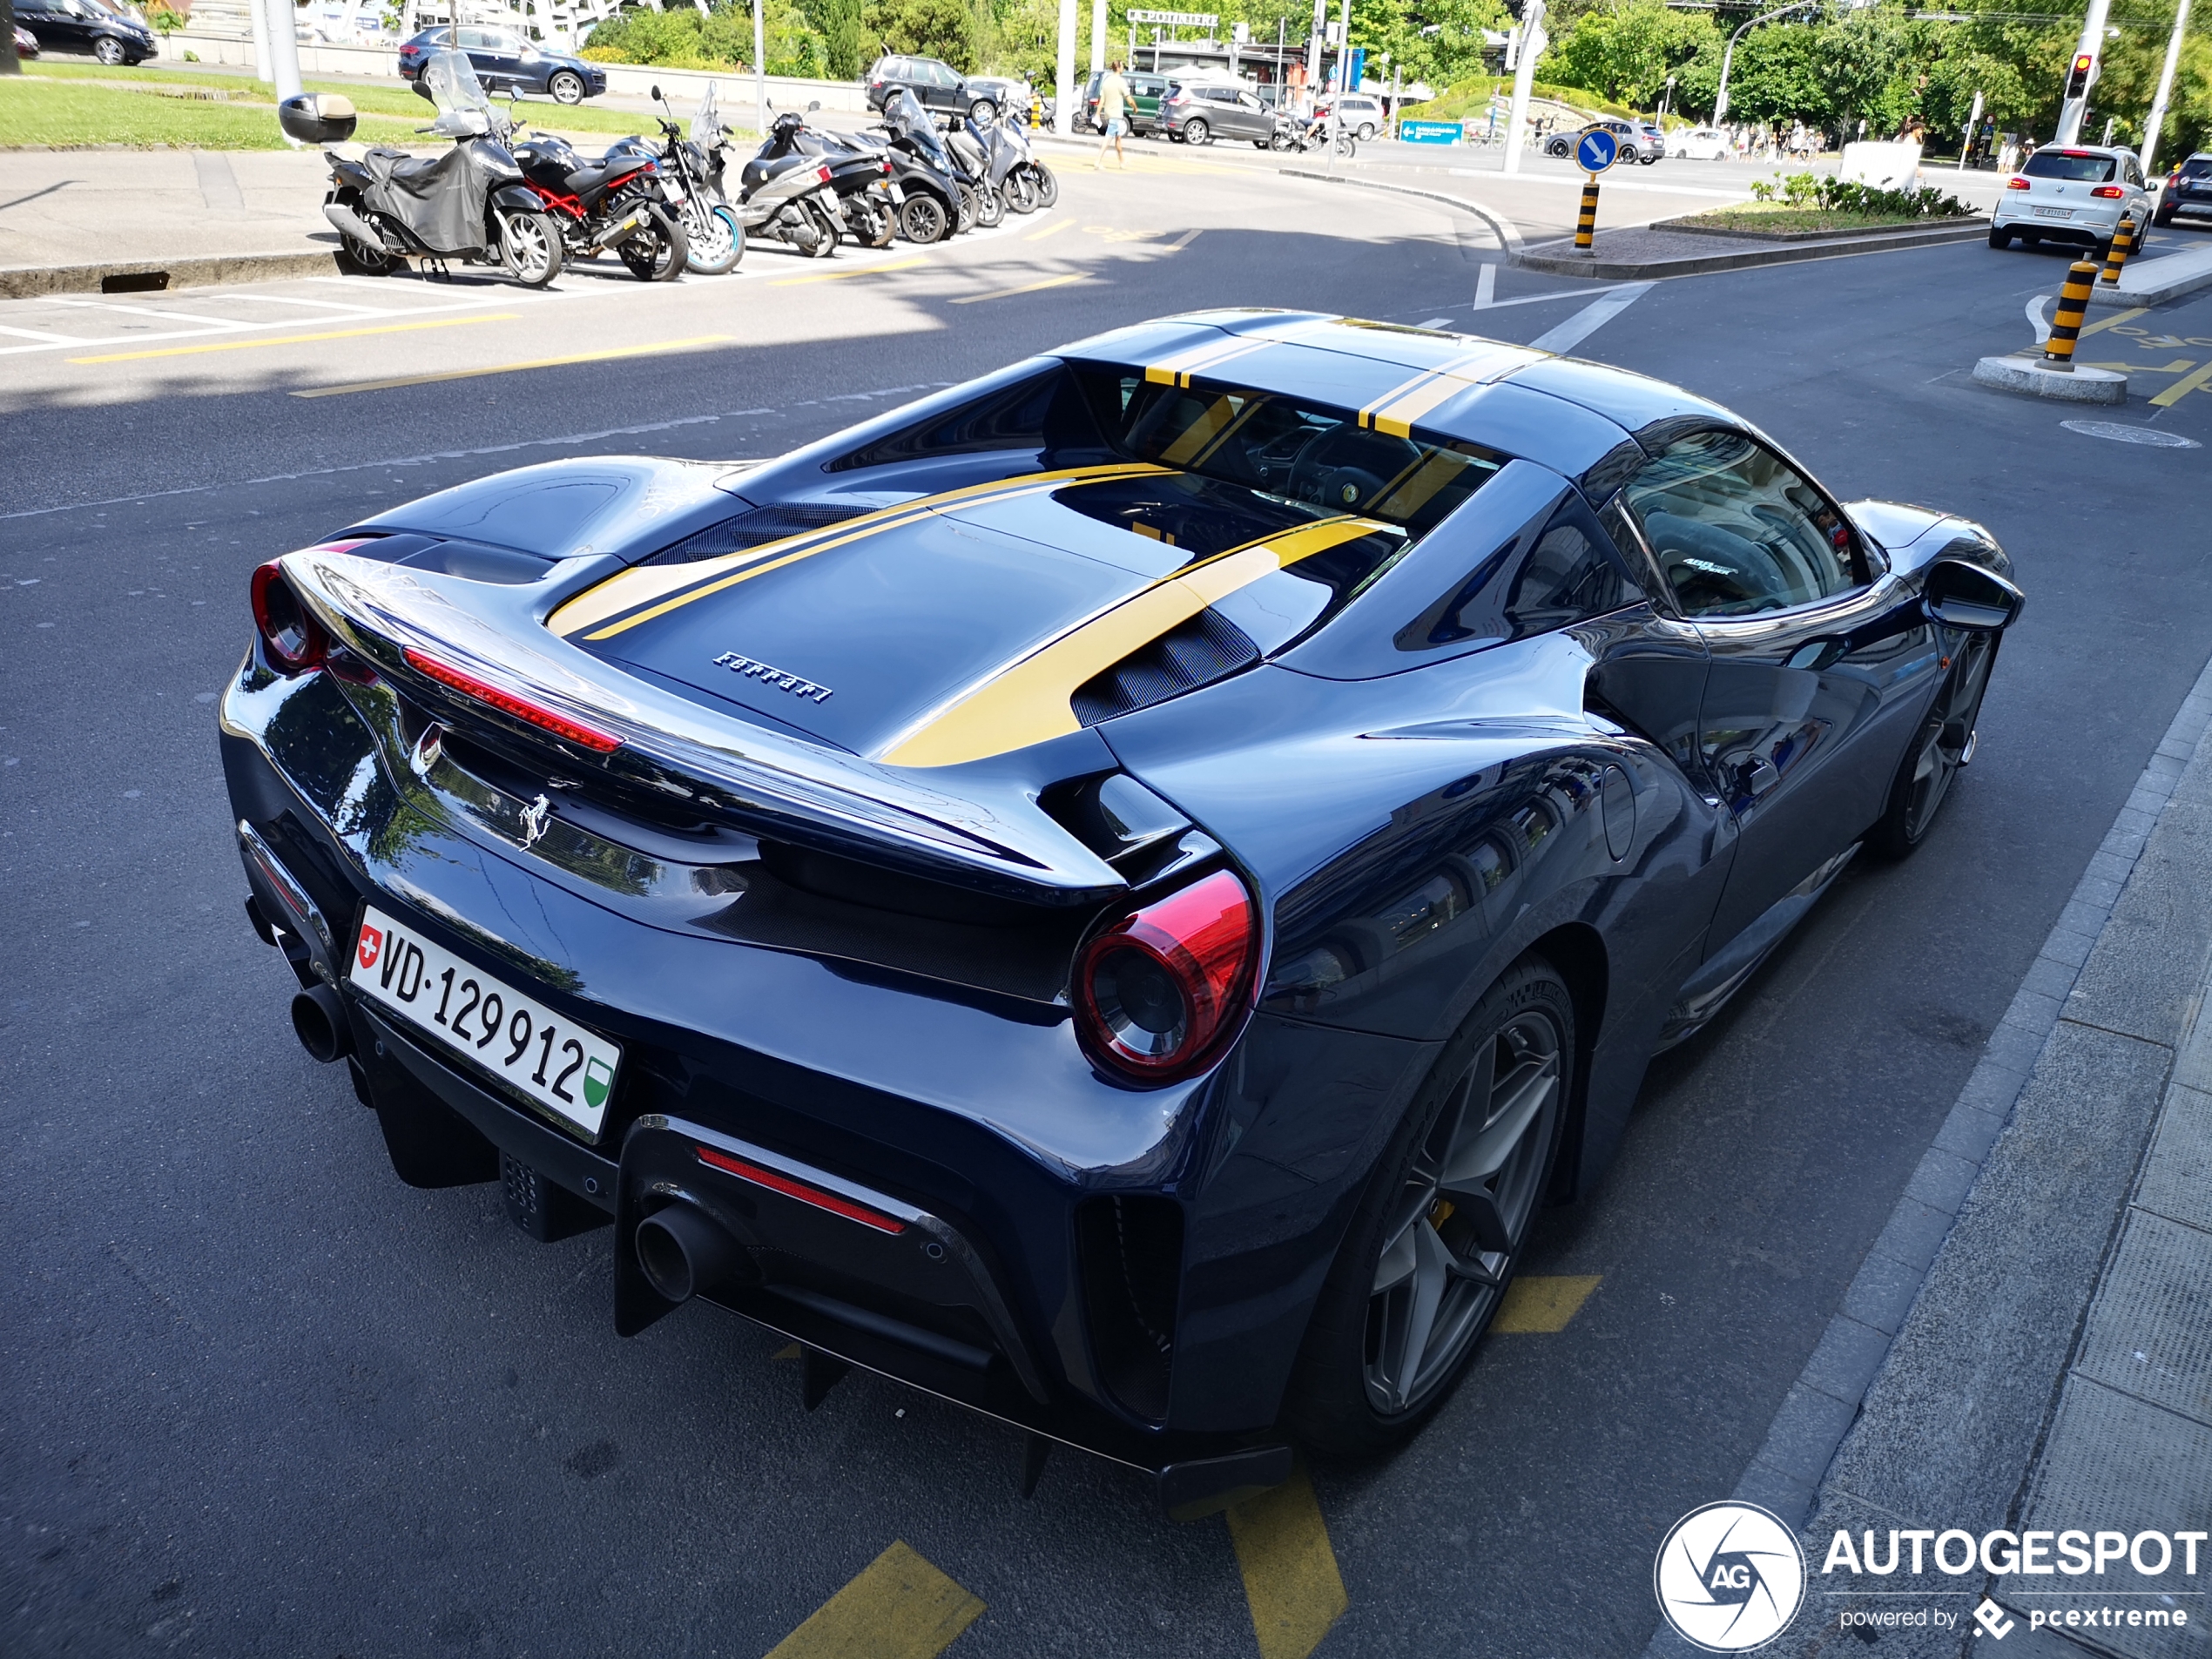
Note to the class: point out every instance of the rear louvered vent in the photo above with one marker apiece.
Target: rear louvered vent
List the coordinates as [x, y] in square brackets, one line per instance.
[1202, 649]
[754, 527]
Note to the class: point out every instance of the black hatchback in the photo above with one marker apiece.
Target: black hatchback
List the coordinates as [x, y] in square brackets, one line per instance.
[2188, 189]
[504, 60]
[84, 26]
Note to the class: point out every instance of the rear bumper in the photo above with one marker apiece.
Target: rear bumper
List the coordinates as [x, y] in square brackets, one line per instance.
[990, 1125]
[2084, 225]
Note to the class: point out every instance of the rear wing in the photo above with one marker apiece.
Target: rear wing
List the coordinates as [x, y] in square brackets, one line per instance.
[501, 663]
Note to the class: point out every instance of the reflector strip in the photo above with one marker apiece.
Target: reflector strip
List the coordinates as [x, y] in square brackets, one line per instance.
[799, 1189]
[508, 702]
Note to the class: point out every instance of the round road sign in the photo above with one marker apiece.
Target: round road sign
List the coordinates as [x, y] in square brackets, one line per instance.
[1596, 150]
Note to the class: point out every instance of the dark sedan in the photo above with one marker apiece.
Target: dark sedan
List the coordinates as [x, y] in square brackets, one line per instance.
[506, 61]
[1113, 894]
[82, 26]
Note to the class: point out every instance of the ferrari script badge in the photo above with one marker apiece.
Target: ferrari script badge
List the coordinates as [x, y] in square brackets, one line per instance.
[754, 669]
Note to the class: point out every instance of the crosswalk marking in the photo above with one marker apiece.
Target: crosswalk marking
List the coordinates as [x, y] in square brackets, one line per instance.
[1291, 1579]
[1537, 1303]
[899, 1606]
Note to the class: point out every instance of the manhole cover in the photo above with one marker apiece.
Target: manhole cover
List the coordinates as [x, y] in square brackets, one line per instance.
[2119, 434]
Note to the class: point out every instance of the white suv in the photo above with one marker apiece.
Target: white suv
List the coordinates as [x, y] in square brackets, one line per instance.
[2072, 193]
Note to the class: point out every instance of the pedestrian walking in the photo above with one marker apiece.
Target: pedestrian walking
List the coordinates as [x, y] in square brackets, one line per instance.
[1113, 116]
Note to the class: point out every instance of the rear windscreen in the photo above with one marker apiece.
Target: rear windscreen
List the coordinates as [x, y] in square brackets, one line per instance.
[1315, 461]
[2076, 166]
[2197, 167]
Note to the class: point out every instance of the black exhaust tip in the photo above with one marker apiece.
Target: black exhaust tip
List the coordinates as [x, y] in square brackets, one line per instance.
[319, 1017]
[683, 1252]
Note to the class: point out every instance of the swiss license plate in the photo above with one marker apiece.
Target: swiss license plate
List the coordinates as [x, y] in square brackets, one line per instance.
[2054, 212]
[463, 1011]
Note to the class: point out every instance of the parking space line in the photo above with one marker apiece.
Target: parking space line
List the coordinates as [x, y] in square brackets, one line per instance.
[295, 339]
[1053, 229]
[1188, 237]
[51, 339]
[1485, 285]
[857, 271]
[148, 311]
[1291, 1584]
[608, 355]
[1027, 287]
[320, 304]
[1543, 1304]
[2183, 387]
[898, 1606]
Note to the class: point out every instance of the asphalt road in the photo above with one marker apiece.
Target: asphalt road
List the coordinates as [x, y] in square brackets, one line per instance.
[262, 1399]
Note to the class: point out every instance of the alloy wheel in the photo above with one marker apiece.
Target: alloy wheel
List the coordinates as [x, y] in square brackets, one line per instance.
[1453, 1234]
[1947, 738]
[566, 89]
[530, 248]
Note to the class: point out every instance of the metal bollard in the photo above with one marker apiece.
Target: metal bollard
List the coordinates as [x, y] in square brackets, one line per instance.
[1586, 224]
[2066, 324]
[2123, 244]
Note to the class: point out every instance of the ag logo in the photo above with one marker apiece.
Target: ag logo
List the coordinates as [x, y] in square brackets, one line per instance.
[372, 942]
[1729, 1577]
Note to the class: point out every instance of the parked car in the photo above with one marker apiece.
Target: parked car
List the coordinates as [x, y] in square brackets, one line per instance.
[1201, 114]
[1146, 94]
[26, 43]
[2074, 195]
[2188, 190]
[1363, 117]
[1699, 143]
[1116, 894]
[1651, 141]
[1004, 95]
[81, 26]
[504, 60]
[1636, 145]
[941, 89]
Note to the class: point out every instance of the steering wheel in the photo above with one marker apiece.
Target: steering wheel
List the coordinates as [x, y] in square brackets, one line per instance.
[1342, 468]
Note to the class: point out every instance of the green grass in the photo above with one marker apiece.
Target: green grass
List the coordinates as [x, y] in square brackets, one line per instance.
[1467, 100]
[1779, 217]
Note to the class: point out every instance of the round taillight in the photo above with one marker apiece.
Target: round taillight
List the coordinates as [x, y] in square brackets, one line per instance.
[292, 640]
[1159, 992]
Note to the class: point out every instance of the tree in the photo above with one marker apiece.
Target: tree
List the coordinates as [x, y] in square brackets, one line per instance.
[1626, 52]
[944, 29]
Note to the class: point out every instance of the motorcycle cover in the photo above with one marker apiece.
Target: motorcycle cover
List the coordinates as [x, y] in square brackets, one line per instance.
[440, 198]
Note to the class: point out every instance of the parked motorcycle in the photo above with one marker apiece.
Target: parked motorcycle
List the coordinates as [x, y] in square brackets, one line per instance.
[617, 202]
[470, 203]
[787, 194]
[1026, 179]
[713, 238]
[859, 169]
[922, 173]
[968, 145]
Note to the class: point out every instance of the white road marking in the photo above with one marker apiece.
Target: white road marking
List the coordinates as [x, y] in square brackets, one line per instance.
[1435, 322]
[1591, 318]
[33, 334]
[1486, 287]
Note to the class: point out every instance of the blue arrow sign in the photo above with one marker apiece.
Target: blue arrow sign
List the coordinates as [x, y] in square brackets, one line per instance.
[1596, 150]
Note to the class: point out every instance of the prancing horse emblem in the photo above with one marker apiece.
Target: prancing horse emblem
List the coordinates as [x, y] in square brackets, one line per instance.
[535, 816]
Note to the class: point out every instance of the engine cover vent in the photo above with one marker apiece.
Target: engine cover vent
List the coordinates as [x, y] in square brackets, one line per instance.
[1186, 656]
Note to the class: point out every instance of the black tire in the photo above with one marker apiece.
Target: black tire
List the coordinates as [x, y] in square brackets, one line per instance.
[1349, 1397]
[109, 51]
[529, 246]
[2000, 237]
[1047, 187]
[1280, 141]
[1942, 744]
[982, 112]
[658, 250]
[356, 258]
[566, 87]
[1366, 132]
[1019, 191]
[971, 207]
[923, 218]
[1197, 132]
[2162, 219]
[990, 208]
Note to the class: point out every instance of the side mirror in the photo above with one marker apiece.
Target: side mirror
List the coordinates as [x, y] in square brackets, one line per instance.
[1959, 594]
[655, 92]
[814, 106]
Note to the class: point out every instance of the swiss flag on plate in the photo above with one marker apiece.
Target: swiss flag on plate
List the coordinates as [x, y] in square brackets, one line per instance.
[372, 942]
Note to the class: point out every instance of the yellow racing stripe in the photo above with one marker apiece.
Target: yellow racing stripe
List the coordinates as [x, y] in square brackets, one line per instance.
[1030, 701]
[1395, 412]
[1177, 369]
[633, 597]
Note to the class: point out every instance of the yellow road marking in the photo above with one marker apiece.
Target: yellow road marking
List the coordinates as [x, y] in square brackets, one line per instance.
[861, 271]
[899, 1606]
[298, 340]
[2183, 387]
[1542, 1303]
[2173, 368]
[1053, 229]
[1291, 1583]
[692, 344]
[1027, 287]
[2114, 321]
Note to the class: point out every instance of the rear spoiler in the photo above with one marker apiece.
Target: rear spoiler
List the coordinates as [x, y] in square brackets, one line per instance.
[992, 837]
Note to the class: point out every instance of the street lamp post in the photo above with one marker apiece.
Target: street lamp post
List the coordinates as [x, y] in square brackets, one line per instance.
[2165, 86]
[1728, 58]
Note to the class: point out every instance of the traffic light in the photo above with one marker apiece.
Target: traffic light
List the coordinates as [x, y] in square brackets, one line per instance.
[2077, 79]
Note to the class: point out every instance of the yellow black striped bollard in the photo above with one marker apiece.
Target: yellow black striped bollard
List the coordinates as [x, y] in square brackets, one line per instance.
[1586, 224]
[2074, 304]
[2123, 244]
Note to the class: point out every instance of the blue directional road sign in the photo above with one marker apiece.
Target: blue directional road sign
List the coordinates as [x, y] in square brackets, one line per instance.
[1596, 150]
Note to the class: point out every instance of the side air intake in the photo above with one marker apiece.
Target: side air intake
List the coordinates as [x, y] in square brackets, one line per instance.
[1186, 656]
[1131, 1249]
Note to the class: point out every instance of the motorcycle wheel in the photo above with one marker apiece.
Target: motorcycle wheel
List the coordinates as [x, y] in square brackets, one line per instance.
[990, 208]
[826, 232]
[1047, 187]
[1280, 142]
[1020, 193]
[879, 226]
[712, 237]
[657, 252]
[1347, 146]
[923, 218]
[969, 209]
[529, 246]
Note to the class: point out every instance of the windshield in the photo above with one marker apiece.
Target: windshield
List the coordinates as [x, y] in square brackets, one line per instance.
[453, 86]
[706, 121]
[905, 116]
[2076, 166]
[2197, 167]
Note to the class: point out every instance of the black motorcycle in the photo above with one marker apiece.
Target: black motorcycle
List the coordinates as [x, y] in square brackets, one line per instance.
[691, 175]
[931, 204]
[617, 202]
[860, 168]
[470, 203]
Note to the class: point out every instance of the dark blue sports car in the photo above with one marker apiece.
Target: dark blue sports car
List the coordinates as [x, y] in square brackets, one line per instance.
[1113, 894]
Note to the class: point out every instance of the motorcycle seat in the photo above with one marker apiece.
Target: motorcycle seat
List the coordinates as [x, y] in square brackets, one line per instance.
[591, 178]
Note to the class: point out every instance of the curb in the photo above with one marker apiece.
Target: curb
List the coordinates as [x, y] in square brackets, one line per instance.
[1703, 264]
[152, 276]
[1869, 1393]
[1686, 225]
[2037, 378]
[1508, 237]
[2123, 294]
